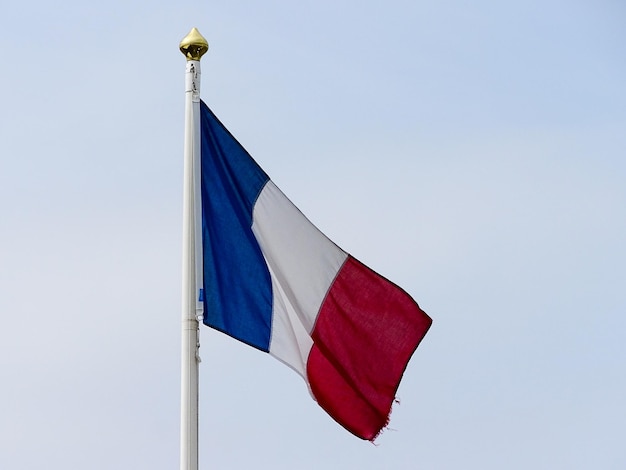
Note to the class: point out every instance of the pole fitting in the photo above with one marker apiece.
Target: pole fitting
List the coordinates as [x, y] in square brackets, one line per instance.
[194, 46]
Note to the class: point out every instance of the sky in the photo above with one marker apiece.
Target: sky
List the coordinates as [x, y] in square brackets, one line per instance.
[472, 152]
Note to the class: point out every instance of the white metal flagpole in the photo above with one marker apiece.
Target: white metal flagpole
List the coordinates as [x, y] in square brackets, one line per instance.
[193, 46]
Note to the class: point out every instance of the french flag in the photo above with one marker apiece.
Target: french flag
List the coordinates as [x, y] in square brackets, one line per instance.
[274, 281]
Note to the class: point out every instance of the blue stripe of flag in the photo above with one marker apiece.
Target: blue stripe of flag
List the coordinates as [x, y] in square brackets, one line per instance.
[237, 285]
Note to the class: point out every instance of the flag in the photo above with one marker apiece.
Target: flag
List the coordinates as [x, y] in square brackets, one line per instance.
[274, 281]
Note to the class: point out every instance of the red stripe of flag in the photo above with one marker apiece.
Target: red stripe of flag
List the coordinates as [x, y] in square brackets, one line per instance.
[365, 334]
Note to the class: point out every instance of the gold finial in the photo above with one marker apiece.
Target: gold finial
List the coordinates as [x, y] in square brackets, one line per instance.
[193, 46]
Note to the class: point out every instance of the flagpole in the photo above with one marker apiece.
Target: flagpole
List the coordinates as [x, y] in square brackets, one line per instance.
[193, 46]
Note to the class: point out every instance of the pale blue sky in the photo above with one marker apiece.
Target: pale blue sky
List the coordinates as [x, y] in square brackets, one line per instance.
[472, 152]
